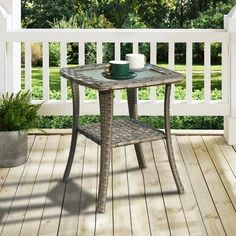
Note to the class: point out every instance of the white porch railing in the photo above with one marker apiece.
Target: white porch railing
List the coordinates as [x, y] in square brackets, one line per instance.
[118, 36]
[224, 107]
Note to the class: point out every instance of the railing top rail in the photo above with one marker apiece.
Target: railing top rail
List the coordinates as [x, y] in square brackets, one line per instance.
[113, 30]
[118, 35]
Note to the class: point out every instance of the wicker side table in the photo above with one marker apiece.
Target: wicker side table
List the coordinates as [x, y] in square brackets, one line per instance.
[109, 134]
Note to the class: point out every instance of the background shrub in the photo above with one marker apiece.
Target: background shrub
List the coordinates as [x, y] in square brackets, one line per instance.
[177, 122]
[37, 58]
[36, 54]
[54, 54]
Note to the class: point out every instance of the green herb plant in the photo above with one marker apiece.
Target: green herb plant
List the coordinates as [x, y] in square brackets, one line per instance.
[17, 113]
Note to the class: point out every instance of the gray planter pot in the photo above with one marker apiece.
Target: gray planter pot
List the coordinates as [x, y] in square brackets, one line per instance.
[13, 148]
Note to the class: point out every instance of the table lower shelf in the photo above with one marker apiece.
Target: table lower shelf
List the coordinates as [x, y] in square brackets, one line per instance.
[124, 132]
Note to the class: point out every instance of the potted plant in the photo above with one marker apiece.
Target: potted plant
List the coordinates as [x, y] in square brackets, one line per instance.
[17, 116]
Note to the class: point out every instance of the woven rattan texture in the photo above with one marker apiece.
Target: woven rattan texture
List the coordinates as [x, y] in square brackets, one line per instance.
[124, 132]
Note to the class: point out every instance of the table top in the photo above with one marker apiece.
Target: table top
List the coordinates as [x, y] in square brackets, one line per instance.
[91, 76]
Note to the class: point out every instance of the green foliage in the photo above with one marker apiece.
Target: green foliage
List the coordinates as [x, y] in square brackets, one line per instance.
[125, 14]
[114, 13]
[37, 93]
[180, 93]
[54, 54]
[133, 21]
[17, 113]
[83, 20]
[40, 13]
[117, 11]
[213, 16]
[62, 122]
[55, 122]
[177, 122]
[157, 14]
[186, 122]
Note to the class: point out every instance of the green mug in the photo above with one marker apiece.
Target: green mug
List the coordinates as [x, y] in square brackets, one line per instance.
[117, 68]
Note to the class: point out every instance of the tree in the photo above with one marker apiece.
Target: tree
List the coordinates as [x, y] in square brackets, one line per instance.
[213, 17]
[156, 14]
[39, 13]
[153, 13]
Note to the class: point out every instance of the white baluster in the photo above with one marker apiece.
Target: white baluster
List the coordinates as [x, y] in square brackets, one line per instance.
[153, 60]
[45, 71]
[63, 52]
[225, 72]
[189, 63]
[28, 67]
[207, 72]
[81, 63]
[171, 66]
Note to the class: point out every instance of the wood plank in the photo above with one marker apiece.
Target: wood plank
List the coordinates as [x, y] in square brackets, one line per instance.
[40, 188]
[30, 143]
[208, 211]
[219, 195]
[155, 203]
[208, 204]
[3, 176]
[136, 192]
[86, 223]
[122, 224]
[18, 187]
[222, 166]
[174, 210]
[52, 210]
[229, 153]
[72, 195]
[190, 207]
[4, 171]
[104, 222]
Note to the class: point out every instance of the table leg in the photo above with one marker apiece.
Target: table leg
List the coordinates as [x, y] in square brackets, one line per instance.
[133, 113]
[106, 113]
[75, 100]
[168, 140]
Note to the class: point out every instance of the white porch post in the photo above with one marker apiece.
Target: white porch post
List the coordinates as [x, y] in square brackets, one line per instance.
[12, 58]
[230, 121]
[3, 29]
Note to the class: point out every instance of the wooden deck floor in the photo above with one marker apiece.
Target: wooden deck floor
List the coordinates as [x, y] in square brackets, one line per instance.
[34, 201]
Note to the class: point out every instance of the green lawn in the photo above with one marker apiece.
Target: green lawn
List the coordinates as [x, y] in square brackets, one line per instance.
[198, 76]
[37, 77]
[196, 68]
